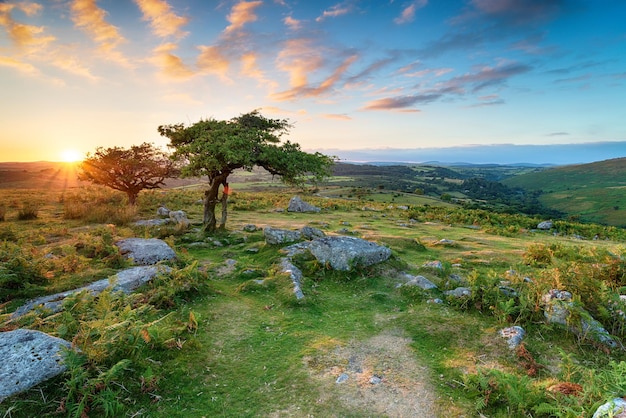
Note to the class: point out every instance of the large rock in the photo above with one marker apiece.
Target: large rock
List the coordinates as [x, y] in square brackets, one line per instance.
[274, 236]
[545, 225]
[615, 408]
[310, 233]
[298, 205]
[28, 358]
[419, 281]
[295, 274]
[344, 253]
[125, 281]
[558, 308]
[146, 252]
[179, 217]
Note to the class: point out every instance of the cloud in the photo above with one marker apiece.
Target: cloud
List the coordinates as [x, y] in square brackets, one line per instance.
[292, 24]
[486, 77]
[305, 90]
[163, 21]
[88, 16]
[334, 11]
[373, 68]
[518, 11]
[408, 13]
[212, 60]
[240, 14]
[21, 66]
[299, 58]
[558, 134]
[25, 37]
[171, 65]
[401, 102]
[335, 116]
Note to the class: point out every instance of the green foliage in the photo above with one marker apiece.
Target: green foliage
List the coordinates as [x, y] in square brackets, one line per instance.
[538, 255]
[129, 170]
[177, 286]
[21, 272]
[216, 148]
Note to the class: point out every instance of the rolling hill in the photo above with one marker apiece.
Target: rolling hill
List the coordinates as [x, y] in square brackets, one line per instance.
[592, 192]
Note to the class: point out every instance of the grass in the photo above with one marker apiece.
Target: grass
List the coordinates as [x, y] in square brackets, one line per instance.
[234, 347]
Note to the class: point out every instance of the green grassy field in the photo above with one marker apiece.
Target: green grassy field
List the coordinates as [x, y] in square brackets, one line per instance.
[211, 341]
[593, 192]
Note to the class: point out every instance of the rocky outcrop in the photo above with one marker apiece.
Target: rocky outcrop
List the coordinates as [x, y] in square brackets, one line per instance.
[145, 252]
[545, 225]
[419, 281]
[125, 281]
[345, 253]
[28, 358]
[514, 336]
[298, 205]
[615, 408]
[310, 233]
[275, 236]
[558, 308]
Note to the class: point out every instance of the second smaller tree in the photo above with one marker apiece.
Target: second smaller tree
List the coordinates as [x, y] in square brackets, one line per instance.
[128, 170]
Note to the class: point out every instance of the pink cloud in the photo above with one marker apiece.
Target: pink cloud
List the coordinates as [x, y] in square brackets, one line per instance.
[408, 13]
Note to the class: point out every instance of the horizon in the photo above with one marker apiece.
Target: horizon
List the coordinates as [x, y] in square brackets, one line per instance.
[84, 74]
[498, 154]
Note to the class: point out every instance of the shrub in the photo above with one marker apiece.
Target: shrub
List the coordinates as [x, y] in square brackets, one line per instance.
[3, 212]
[28, 211]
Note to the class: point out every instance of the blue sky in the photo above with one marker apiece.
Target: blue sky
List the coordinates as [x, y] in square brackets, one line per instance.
[350, 75]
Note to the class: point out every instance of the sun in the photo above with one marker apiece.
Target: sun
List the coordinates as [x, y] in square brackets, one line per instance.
[71, 156]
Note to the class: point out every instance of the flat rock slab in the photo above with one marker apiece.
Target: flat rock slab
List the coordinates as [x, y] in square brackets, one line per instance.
[28, 358]
[126, 281]
[345, 253]
[144, 251]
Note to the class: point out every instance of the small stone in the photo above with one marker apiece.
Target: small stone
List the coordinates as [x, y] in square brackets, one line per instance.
[342, 378]
[376, 380]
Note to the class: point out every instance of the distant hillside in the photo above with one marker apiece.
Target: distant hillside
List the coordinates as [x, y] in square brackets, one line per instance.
[594, 192]
[38, 175]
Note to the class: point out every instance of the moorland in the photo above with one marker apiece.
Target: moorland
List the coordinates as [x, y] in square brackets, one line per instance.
[212, 339]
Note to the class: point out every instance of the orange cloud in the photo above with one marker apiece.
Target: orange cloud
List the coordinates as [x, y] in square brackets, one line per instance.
[163, 21]
[212, 60]
[171, 65]
[240, 14]
[335, 116]
[23, 67]
[88, 16]
[23, 36]
[304, 90]
[299, 58]
[292, 24]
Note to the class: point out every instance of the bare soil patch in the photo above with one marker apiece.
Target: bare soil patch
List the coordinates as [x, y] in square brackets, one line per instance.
[379, 377]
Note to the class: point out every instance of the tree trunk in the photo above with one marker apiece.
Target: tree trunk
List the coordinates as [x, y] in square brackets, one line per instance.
[132, 197]
[211, 200]
[225, 193]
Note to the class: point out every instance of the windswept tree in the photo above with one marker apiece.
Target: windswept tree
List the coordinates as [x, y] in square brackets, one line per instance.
[216, 148]
[128, 170]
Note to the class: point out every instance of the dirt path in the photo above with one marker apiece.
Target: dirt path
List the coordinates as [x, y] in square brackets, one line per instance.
[379, 376]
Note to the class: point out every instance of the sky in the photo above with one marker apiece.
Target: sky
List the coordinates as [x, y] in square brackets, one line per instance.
[378, 77]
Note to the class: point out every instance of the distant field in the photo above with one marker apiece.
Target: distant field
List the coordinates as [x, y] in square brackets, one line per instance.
[594, 192]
